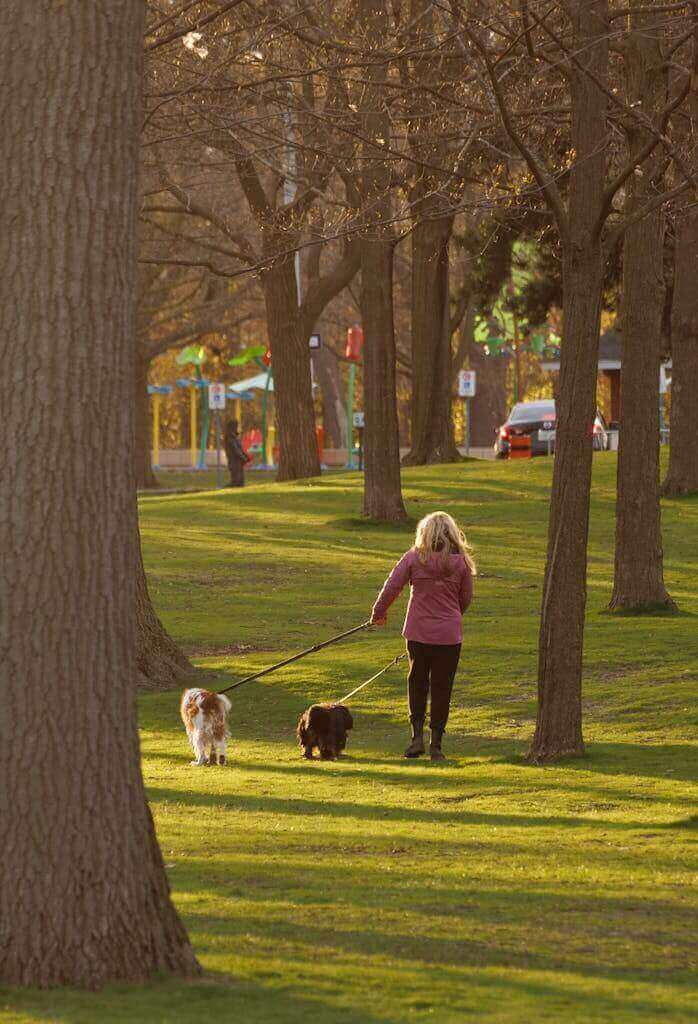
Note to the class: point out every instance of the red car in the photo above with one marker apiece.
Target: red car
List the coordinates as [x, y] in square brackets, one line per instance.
[537, 419]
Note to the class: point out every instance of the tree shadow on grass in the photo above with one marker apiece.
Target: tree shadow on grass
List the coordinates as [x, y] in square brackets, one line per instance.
[424, 950]
[215, 996]
[313, 810]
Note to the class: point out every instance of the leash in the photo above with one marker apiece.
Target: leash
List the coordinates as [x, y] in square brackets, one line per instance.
[296, 657]
[390, 664]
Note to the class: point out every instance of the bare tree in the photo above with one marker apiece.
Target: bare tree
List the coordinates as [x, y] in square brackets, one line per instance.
[571, 40]
[682, 477]
[382, 487]
[638, 583]
[84, 896]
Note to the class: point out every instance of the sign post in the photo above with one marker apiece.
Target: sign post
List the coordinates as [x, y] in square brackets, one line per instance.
[359, 424]
[467, 380]
[314, 344]
[216, 402]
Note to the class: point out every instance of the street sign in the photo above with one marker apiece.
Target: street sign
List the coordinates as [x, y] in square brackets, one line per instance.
[216, 396]
[315, 342]
[466, 383]
[358, 419]
[664, 379]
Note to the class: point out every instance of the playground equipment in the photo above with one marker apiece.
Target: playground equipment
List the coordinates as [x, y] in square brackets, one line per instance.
[195, 355]
[157, 391]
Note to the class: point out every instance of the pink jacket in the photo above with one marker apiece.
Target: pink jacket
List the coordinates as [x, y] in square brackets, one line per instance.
[440, 591]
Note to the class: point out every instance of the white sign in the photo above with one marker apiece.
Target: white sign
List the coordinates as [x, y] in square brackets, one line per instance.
[664, 379]
[358, 418]
[216, 396]
[315, 341]
[466, 383]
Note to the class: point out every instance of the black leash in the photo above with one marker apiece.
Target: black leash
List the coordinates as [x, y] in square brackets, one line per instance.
[287, 661]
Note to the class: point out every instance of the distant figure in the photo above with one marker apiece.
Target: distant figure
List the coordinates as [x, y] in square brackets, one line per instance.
[235, 453]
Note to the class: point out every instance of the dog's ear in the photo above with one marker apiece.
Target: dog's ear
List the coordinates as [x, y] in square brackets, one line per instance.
[348, 720]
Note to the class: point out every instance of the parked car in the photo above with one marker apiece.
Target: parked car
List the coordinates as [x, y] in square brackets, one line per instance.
[538, 420]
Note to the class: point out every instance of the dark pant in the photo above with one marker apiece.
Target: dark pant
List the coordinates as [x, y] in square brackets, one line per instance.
[432, 666]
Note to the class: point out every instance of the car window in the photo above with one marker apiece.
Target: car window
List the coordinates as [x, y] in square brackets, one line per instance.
[532, 411]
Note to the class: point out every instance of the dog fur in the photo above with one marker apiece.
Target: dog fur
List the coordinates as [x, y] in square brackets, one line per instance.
[325, 727]
[205, 718]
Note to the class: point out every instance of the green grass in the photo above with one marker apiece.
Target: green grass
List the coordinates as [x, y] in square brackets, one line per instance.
[375, 890]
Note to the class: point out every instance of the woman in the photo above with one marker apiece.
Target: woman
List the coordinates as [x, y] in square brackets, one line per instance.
[440, 571]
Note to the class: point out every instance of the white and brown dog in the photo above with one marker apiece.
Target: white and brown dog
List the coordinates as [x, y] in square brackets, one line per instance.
[204, 714]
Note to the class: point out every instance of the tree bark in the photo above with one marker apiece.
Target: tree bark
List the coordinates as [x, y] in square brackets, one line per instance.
[432, 432]
[84, 897]
[559, 720]
[145, 477]
[488, 410]
[293, 399]
[334, 413]
[682, 475]
[382, 485]
[638, 583]
[160, 663]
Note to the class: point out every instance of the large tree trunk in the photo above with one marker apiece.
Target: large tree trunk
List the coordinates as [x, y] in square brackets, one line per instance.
[145, 477]
[559, 721]
[638, 583]
[432, 423]
[159, 661]
[293, 399]
[382, 485]
[682, 477]
[84, 897]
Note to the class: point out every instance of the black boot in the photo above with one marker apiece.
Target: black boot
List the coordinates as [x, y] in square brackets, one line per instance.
[416, 747]
[435, 750]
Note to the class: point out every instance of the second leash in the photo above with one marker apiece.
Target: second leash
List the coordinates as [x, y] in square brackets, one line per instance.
[390, 664]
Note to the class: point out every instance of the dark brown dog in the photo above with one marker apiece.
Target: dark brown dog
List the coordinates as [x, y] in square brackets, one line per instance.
[324, 726]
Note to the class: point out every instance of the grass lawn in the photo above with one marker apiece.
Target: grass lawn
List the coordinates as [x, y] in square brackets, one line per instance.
[377, 890]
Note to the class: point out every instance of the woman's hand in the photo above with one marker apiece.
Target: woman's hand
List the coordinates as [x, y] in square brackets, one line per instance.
[378, 622]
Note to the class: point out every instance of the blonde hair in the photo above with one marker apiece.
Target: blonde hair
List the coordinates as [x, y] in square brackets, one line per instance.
[437, 533]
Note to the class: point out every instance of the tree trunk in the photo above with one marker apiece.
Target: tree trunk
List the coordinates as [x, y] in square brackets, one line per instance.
[638, 583]
[682, 476]
[84, 897]
[159, 661]
[293, 399]
[334, 413]
[145, 477]
[382, 485]
[488, 410]
[432, 423]
[559, 721]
